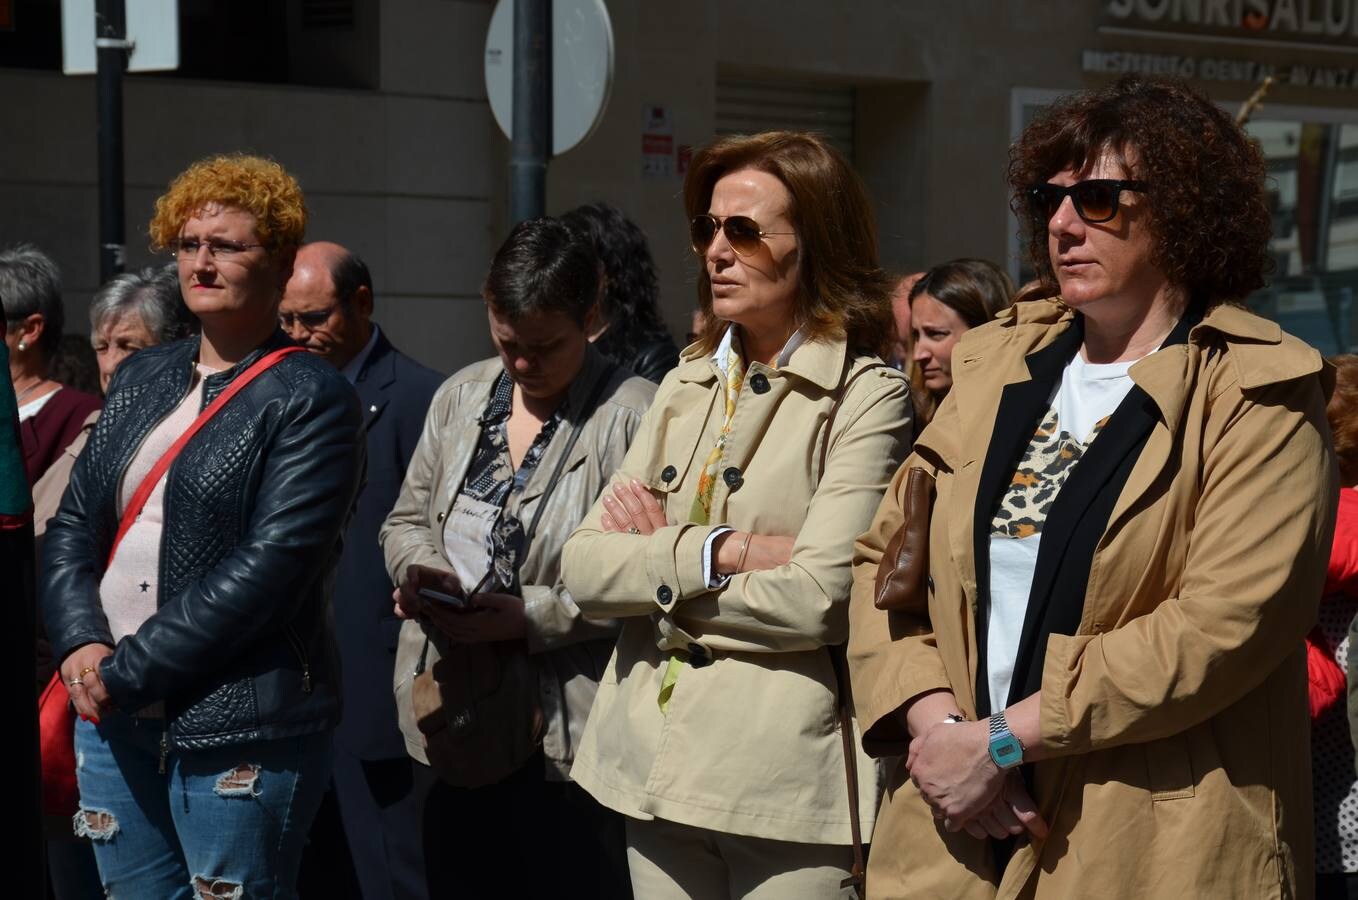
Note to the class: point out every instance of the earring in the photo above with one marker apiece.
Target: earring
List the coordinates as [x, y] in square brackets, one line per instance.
[22, 346]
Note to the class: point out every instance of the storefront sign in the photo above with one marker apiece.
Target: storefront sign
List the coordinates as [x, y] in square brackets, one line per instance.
[1327, 24]
[657, 143]
[1119, 62]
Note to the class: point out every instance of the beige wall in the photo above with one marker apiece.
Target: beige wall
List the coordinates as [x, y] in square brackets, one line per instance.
[412, 174]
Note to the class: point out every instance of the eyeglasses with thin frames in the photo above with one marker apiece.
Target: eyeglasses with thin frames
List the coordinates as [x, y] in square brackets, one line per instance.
[217, 248]
[742, 233]
[1095, 199]
[309, 320]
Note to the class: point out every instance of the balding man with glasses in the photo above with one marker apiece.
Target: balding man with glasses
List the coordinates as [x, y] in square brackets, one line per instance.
[327, 308]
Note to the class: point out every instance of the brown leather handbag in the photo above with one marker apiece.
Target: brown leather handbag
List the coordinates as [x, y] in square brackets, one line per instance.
[903, 574]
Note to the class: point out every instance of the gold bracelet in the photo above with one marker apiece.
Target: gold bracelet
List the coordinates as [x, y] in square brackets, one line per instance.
[744, 548]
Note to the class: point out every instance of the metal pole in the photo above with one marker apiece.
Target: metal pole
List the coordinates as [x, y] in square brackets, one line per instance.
[110, 40]
[531, 145]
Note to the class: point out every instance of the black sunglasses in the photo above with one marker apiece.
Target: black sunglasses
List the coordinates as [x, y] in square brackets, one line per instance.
[1095, 200]
[742, 233]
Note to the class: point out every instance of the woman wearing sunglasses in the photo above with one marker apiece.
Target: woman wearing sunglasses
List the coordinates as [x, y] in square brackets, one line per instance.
[723, 544]
[1106, 684]
[195, 637]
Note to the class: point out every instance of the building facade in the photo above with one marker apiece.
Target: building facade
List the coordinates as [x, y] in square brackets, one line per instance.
[380, 109]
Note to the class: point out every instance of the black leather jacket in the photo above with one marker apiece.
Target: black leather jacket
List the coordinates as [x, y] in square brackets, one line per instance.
[241, 646]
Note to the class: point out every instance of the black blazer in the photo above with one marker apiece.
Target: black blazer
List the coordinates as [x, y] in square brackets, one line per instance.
[395, 392]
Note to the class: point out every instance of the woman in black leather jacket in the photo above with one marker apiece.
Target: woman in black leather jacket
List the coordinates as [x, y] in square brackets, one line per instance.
[200, 657]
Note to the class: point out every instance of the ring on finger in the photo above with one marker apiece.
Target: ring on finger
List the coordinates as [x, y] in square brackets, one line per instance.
[75, 682]
[85, 671]
[632, 529]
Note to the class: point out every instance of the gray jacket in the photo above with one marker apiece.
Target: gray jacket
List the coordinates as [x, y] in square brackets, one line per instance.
[570, 652]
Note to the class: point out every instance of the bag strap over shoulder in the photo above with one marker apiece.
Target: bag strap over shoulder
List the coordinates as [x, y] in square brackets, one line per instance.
[843, 689]
[148, 484]
[587, 410]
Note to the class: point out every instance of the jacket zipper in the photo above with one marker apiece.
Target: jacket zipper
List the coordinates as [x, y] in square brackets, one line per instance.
[297, 648]
[164, 749]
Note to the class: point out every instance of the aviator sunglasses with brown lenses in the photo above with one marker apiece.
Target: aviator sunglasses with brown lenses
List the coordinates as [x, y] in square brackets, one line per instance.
[742, 233]
[1095, 200]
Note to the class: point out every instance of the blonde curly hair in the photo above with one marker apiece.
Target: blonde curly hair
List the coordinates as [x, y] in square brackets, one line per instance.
[254, 184]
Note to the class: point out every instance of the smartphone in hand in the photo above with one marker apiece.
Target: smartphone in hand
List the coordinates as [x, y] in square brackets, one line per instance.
[453, 601]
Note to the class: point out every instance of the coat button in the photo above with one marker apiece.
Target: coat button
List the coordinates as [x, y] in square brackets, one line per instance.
[732, 478]
[439, 517]
[664, 595]
[667, 474]
[759, 383]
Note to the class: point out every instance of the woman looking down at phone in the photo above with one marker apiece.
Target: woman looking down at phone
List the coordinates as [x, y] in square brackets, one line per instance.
[724, 540]
[458, 544]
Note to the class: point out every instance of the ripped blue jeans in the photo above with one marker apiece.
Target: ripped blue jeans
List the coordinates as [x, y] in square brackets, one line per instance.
[226, 823]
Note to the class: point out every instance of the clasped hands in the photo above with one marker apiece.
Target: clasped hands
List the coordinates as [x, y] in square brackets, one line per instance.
[80, 671]
[632, 508]
[950, 765]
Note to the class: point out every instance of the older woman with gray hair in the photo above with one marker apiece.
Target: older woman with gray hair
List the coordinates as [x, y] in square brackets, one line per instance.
[50, 414]
[130, 312]
[137, 310]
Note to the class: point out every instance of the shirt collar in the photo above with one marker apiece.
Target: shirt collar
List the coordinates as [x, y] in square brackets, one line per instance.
[355, 365]
[722, 354]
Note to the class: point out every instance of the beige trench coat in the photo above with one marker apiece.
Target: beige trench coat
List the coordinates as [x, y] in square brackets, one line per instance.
[750, 744]
[569, 651]
[1177, 713]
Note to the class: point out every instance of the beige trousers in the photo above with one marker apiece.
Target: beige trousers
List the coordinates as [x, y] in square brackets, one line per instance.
[670, 861]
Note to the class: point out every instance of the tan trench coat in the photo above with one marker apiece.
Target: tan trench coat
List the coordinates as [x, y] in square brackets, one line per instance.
[1177, 713]
[569, 651]
[749, 745]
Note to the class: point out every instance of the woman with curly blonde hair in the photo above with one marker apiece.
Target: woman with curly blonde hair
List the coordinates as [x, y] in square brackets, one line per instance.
[194, 637]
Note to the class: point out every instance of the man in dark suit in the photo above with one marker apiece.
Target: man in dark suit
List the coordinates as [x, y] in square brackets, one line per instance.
[327, 308]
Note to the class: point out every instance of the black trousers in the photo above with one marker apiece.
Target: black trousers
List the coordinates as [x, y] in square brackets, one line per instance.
[523, 837]
[1336, 886]
[365, 841]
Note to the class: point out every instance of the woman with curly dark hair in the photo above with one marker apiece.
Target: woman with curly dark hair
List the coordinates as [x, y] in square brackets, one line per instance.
[1103, 690]
[633, 334]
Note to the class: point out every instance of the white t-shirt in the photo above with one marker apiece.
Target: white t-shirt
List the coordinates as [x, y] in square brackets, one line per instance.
[1086, 397]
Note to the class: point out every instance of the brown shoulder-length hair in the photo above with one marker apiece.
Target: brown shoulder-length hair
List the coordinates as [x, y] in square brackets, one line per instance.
[975, 289]
[1207, 207]
[842, 291]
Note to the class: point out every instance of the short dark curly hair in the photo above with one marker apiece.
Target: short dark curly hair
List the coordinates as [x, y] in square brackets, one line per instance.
[631, 295]
[1207, 205]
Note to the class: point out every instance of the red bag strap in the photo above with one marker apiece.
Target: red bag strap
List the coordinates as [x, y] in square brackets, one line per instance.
[148, 484]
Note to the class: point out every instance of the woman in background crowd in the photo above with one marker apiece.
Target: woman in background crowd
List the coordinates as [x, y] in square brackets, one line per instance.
[1328, 647]
[132, 311]
[630, 330]
[724, 540]
[948, 301]
[1102, 691]
[50, 414]
[495, 434]
[200, 655]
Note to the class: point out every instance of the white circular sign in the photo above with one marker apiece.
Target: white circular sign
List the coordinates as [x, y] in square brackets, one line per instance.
[582, 68]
